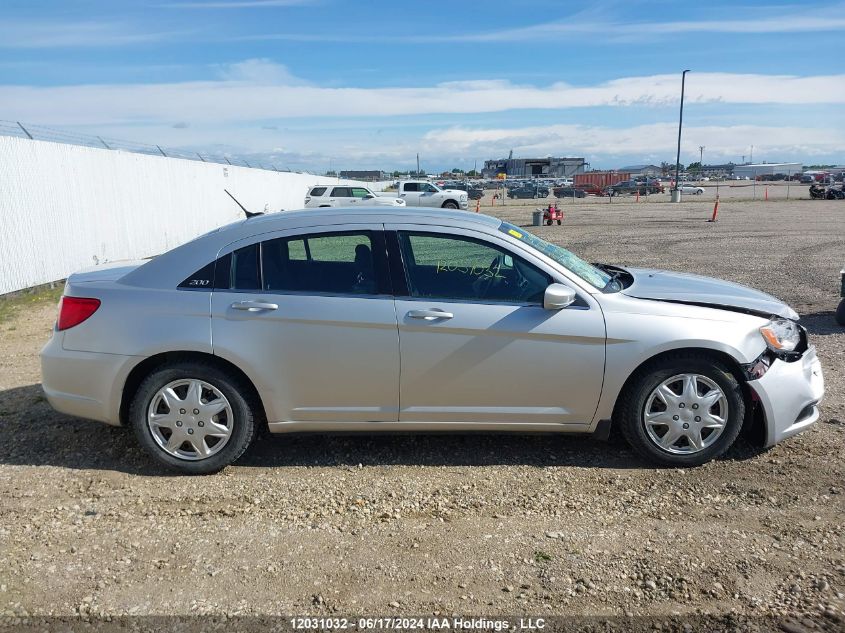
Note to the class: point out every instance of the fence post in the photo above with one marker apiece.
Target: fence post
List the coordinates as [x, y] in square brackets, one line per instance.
[25, 131]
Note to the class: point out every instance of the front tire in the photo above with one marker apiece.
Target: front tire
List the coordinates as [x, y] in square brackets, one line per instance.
[449, 204]
[193, 417]
[684, 410]
[840, 313]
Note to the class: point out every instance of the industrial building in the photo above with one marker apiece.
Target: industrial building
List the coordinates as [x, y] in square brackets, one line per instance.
[767, 169]
[650, 171]
[548, 167]
[363, 174]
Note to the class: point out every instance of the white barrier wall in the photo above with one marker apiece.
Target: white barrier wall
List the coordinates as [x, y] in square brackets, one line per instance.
[66, 207]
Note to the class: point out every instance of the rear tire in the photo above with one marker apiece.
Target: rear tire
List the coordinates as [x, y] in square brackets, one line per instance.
[217, 386]
[712, 377]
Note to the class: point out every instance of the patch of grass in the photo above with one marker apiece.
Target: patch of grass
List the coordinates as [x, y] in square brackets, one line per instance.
[541, 557]
[11, 304]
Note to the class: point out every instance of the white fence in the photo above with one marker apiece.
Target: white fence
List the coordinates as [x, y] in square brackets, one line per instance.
[65, 207]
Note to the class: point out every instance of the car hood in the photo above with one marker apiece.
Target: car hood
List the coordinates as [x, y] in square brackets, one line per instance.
[453, 191]
[663, 285]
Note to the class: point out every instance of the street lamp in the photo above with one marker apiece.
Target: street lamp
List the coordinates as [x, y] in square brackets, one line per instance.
[676, 192]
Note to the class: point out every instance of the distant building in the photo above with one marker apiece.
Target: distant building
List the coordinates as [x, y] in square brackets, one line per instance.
[767, 169]
[533, 167]
[650, 171]
[725, 169]
[364, 175]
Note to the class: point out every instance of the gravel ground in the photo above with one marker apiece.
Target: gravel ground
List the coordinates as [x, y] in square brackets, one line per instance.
[454, 524]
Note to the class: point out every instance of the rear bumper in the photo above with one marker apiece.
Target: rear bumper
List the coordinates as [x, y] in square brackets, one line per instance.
[84, 384]
[789, 394]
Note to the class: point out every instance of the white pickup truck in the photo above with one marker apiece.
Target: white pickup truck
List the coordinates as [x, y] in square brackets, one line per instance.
[421, 193]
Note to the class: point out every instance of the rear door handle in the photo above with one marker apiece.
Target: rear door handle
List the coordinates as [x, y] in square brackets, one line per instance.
[254, 306]
[430, 315]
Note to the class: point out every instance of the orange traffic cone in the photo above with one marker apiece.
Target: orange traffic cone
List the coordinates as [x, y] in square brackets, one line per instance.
[766, 195]
[715, 210]
[478, 205]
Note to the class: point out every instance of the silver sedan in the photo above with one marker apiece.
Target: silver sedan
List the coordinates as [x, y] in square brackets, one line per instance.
[356, 320]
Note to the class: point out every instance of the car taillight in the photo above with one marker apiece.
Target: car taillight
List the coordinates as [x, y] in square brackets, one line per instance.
[74, 310]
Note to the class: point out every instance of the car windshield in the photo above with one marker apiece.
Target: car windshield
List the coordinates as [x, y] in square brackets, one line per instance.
[589, 273]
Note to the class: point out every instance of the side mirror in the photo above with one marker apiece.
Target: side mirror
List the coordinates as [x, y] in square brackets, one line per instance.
[558, 296]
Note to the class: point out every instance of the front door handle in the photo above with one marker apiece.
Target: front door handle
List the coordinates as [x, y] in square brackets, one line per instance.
[254, 306]
[430, 315]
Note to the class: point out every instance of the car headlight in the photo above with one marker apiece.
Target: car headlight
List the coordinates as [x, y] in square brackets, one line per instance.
[781, 335]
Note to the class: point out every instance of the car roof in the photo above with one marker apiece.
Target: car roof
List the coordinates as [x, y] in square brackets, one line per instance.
[184, 260]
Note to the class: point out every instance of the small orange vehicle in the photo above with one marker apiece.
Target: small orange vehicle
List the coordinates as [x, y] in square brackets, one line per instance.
[552, 213]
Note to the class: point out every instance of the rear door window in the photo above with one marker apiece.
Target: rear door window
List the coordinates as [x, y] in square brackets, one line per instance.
[346, 263]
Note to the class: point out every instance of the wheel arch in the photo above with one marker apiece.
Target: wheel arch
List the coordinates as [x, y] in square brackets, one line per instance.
[143, 369]
[754, 424]
[450, 201]
[726, 359]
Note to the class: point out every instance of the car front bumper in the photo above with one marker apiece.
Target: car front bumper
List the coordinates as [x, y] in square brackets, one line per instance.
[83, 384]
[790, 394]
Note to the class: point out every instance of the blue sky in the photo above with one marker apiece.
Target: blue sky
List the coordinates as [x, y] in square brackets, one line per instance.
[319, 84]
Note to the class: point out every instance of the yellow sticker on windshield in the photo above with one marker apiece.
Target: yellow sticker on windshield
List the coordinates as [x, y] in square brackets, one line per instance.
[516, 234]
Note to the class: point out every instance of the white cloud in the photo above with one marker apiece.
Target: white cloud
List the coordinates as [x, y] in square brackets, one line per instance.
[590, 24]
[260, 90]
[651, 142]
[260, 71]
[786, 23]
[92, 34]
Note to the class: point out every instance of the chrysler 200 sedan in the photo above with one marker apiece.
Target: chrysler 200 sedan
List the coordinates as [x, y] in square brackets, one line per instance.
[356, 320]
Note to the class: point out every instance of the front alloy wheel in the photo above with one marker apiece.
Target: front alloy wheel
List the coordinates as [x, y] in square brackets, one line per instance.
[682, 409]
[685, 414]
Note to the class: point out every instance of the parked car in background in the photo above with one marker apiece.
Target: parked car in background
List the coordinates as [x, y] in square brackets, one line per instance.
[591, 189]
[357, 319]
[473, 192]
[691, 190]
[569, 192]
[421, 193]
[628, 187]
[346, 196]
[529, 191]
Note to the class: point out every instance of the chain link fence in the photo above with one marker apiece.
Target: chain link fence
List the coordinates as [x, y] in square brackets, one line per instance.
[43, 133]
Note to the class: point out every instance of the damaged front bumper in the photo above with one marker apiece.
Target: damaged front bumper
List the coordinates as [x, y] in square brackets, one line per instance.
[789, 392]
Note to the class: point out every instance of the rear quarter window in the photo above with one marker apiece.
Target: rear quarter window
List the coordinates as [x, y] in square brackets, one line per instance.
[318, 191]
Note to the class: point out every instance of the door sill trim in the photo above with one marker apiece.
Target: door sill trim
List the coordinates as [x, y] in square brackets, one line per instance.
[311, 426]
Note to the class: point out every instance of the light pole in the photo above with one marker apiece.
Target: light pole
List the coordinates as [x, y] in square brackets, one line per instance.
[676, 192]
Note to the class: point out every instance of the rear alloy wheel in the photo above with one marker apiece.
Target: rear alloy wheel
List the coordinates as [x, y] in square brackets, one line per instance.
[683, 411]
[192, 417]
